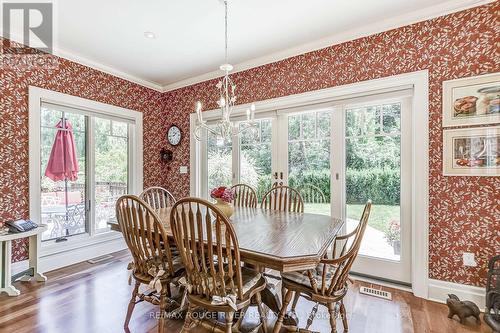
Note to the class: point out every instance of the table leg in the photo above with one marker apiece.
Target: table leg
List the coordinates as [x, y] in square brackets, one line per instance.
[34, 246]
[5, 267]
[270, 297]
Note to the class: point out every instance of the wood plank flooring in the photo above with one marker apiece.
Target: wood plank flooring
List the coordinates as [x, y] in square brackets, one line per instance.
[93, 298]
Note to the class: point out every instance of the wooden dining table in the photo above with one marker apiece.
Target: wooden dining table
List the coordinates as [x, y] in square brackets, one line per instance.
[277, 240]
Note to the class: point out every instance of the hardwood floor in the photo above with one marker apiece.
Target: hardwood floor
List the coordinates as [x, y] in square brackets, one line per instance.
[94, 298]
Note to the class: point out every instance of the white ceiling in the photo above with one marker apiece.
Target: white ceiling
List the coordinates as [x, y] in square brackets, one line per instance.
[189, 43]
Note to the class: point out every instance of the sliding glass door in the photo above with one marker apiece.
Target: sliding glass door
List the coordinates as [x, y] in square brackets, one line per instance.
[377, 168]
[79, 191]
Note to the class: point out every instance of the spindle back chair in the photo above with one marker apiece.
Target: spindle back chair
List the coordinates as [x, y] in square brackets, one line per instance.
[245, 196]
[209, 250]
[283, 198]
[148, 243]
[327, 284]
[157, 197]
[311, 194]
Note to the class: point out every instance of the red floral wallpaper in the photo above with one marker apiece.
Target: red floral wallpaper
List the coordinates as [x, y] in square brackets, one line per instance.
[464, 211]
[74, 79]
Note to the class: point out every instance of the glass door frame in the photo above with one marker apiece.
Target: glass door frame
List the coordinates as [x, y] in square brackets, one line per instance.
[282, 155]
[369, 266]
[37, 96]
[418, 82]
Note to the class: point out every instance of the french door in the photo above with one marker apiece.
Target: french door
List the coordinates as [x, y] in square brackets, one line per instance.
[338, 157]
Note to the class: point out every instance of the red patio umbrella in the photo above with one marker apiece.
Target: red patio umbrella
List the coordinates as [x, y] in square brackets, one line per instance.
[63, 164]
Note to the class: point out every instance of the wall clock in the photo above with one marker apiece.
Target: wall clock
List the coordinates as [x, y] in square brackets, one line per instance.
[174, 135]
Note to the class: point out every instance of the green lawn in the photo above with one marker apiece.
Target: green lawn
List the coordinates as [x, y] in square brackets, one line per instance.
[380, 215]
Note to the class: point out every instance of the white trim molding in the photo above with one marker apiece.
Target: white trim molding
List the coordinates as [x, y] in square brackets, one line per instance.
[394, 22]
[439, 290]
[330, 97]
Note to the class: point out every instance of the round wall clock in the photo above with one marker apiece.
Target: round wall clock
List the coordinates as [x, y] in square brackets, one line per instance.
[174, 135]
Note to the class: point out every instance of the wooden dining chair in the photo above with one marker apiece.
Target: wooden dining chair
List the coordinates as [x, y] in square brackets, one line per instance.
[311, 194]
[245, 196]
[153, 263]
[283, 198]
[216, 280]
[327, 284]
[157, 197]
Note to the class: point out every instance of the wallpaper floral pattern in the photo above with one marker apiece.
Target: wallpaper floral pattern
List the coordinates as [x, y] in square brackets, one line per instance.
[74, 79]
[464, 212]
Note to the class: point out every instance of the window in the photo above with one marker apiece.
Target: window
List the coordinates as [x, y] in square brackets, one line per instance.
[108, 152]
[219, 152]
[309, 159]
[255, 157]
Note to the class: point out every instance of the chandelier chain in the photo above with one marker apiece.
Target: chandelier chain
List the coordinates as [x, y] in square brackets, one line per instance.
[226, 33]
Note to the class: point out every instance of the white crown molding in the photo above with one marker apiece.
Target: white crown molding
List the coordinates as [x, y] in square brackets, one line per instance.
[61, 53]
[352, 34]
[366, 30]
[108, 70]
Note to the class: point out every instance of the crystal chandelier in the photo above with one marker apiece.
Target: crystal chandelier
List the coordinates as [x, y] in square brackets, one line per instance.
[224, 128]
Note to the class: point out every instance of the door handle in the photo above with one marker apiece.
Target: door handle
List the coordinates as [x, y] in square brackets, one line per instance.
[281, 175]
[276, 175]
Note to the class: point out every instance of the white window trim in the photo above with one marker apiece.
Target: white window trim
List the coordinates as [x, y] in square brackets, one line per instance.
[52, 252]
[419, 80]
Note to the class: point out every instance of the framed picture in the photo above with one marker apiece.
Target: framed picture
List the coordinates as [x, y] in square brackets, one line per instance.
[472, 101]
[471, 152]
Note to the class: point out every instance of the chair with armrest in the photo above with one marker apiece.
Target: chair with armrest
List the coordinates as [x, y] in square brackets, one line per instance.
[327, 283]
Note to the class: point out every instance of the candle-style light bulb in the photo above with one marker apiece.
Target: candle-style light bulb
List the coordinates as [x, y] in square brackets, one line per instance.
[248, 114]
[252, 109]
[222, 102]
[198, 111]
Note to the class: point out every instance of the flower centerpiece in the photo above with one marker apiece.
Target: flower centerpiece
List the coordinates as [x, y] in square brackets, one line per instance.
[224, 197]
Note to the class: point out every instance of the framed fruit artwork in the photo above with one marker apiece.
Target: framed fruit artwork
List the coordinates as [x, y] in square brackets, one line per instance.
[471, 152]
[472, 101]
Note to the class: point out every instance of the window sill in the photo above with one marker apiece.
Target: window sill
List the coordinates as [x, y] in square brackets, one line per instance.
[50, 248]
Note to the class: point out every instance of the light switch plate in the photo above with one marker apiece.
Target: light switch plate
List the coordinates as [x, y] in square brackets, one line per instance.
[183, 169]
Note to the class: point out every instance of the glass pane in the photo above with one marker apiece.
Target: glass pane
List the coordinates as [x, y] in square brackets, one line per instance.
[309, 126]
[119, 128]
[62, 201]
[323, 125]
[250, 136]
[294, 127]
[392, 118]
[309, 163]
[103, 126]
[255, 160]
[363, 121]
[220, 162]
[111, 170]
[373, 166]
[49, 117]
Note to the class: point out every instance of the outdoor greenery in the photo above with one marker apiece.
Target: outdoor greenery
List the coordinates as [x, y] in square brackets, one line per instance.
[372, 160]
[111, 148]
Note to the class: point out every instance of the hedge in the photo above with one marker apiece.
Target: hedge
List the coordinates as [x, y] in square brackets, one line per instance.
[382, 186]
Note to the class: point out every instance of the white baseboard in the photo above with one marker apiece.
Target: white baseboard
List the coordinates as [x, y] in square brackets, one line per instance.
[53, 261]
[439, 290]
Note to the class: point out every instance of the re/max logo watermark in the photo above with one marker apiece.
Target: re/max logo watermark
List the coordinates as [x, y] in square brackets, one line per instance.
[30, 23]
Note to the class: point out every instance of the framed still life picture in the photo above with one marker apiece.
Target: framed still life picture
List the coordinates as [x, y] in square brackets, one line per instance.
[472, 101]
[472, 152]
